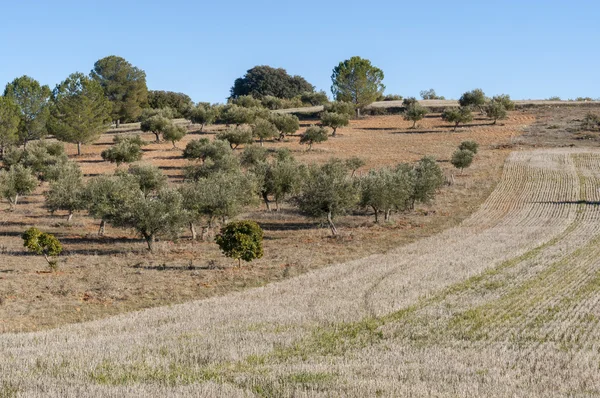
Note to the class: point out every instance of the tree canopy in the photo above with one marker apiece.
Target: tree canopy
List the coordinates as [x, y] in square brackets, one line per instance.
[32, 100]
[80, 112]
[9, 124]
[124, 85]
[355, 80]
[180, 103]
[264, 80]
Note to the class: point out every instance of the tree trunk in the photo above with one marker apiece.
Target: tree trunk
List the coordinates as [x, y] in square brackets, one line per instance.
[16, 199]
[118, 122]
[455, 126]
[495, 120]
[78, 148]
[358, 112]
[276, 204]
[334, 132]
[331, 224]
[102, 227]
[157, 136]
[261, 141]
[204, 234]
[193, 231]
[388, 214]
[414, 124]
[376, 215]
[70, 216]
[150, 242]
[281, 136]
[267, 202]
[201, 127]
[310, 146]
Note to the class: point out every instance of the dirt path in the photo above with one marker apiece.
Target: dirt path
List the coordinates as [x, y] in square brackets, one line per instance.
[506, 304]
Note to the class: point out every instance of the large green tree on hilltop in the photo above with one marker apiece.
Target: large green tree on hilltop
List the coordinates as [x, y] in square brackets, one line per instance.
[80, 112]
[9, 124]
[124, 85]
[355, 80]
[32, 100]
[264, 80]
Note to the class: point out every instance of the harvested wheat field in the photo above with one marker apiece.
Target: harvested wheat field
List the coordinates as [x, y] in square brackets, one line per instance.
[504, 304]
[106, 275]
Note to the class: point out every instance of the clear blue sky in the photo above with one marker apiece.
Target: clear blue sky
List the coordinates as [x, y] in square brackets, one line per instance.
[528, 49]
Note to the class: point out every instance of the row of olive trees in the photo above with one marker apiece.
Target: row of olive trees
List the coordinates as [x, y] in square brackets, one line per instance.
[495, 108]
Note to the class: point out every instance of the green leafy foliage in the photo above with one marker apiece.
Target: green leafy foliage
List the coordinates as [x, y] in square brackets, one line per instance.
[241, 240]
[79, 111]
[386, 190]
[15, 182]
[32, 100]
[355, 80]
[66, 191]
[236, 136]
[285, 123]
[409, 101]
[414, 113]
[473, 98]
[428, 178]
[314, 98]
[43, 243]
[215, 156]
[246, 101]
[9, 124]
[495, 111]
[174, 133]
[264, 80]
[272, 103]
[462, 158]
[278, 179]
[354, 163]
[312, 135]
[202, 114]
[263, 130]
[327, 191]
[505, 100]
[344, 108]
[590, 122]
[253, 155]
[180, 103]
[125, 150]
[41, 157]
[470, 146]
[334, 120]
[430, 95]
[149, 178]
[156, 121]
[458, 115]
[124, 85]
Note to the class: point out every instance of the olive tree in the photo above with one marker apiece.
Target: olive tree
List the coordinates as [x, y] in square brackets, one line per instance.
[430, 95]
[278, 179]
[327, 192]
[202, 114]
[41, 157]
[473, 99]
[495, 111]
[354, 163]
[285, 123]
[462, 158]
[414, 113]
[241, 240]
[264, 129]
[428, 178]
[218, 196]
[357, 81]
[470, 146]
[15, 182]
[344, 108]
[386, 190]
[174, 133]
[156, 122]
[334, 120]
[312, 135]
[125, 150]
[236, 136]
[457, 115]
[253, 155]
[149, 178]
[66, 192]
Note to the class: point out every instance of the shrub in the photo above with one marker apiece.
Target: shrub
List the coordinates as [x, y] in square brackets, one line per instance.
[313, 135]
[241, 240]
[43, 243]
[344, 108]
[469, 146]
[247, 101]
[314, 98]
[391, 97]
[409, 101]
[124, 151]
[462, 158]
[272, 103]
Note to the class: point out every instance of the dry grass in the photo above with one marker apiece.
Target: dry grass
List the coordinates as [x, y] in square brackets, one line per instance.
[505, 304]
[101, 276]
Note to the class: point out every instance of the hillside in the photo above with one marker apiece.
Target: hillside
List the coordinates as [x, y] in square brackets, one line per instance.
[505, 304]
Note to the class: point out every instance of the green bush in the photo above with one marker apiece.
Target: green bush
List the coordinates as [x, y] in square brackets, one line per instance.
[43, 243]
[313, 135]
[469, 146]
[236, 136]
[462, 158]
[415, 112]
[241, 240]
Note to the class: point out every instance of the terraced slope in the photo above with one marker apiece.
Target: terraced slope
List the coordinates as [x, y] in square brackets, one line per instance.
[506, 304]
